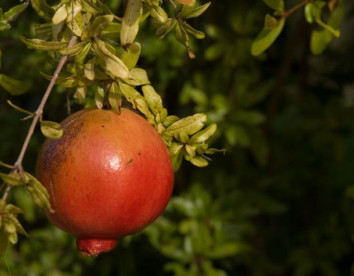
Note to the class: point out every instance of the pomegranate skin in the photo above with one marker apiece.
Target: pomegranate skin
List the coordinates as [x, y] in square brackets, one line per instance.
[108, 176]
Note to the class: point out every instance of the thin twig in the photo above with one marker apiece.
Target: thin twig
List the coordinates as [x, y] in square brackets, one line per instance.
[287, 13]
[38, 115]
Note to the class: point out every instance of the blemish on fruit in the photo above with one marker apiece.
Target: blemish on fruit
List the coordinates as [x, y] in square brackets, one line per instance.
[139, 153]
[130, 161]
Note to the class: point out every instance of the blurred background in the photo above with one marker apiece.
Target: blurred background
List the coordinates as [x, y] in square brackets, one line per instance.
[279, 202]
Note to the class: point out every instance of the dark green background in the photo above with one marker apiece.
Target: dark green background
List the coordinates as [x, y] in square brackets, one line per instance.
[279, 202]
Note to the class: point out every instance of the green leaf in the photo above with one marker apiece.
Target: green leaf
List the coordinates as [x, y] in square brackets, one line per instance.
[320, 41]
[112, 31]
[130, 23]
[3, 164]
[77, 26]
[177, 161]
[44, 45]
[80, 58]
[131, 55]
[167, 27]
[60, 14]
[15, 11]
[74, 50]
[80, 94]
[100, 23]
[113, 64]
[115, 97]
[266, 38]
[199, 161]
[175, 148]
[222, 251]
[203, 135]
[170, 120]
[13, 179]
[3, 243]
[43, 9]
[189, 125]
[191, 12]
[137, 76]
[159, 14]
[91, 7]
[153, 99]
[38, 192]
[277, 5]
[89, 69]
[13, 86]
[189, 29]
[51, 130]
[19, 108]
[99, 97]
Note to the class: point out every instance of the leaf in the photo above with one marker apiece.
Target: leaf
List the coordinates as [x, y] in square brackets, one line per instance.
[203, 135]
[60, 15]
[113, 64]
[130, 23]
[15, 11]
[167, 27]
[175, 148]
[170, 120]
[13, 179]
[38, 192]
[77, 26]
[44, 45]
[222, 251]
[320, 41]
[74, 50]
[112, 31]
[3, 243]
[80, 58]
[51, 130]
[43, 9]
[177, 161]
[131, 55]
[153, 99]
[91, 7]
[73, 9]
[190, 125]
[137, 76]
[100, 23]
[189, 29]
[80, 94]
[13, 86]
[3, 164]
[115, 97]
[99, 97]
[89, 69]
[277, 5]
[189, 12]
[159, 14]
[266, 38]
[19, 108]
[199, 161]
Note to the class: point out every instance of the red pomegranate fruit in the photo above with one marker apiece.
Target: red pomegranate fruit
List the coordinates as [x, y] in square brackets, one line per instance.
[108, 176]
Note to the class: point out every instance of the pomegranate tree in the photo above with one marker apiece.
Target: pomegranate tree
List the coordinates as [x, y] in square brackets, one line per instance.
[107, 171]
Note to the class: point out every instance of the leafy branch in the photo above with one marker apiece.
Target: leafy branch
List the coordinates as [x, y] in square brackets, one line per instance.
[313, 10]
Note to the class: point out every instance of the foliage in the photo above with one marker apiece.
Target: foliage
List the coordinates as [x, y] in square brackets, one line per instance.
[279, 202]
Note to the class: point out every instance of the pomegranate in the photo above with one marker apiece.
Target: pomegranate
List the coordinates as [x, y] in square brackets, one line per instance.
[108, 176]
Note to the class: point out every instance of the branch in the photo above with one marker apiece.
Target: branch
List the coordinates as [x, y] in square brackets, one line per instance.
[38, 115]
[287, 13]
